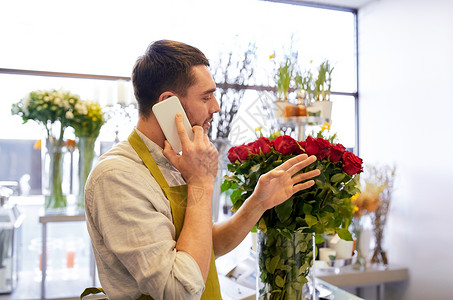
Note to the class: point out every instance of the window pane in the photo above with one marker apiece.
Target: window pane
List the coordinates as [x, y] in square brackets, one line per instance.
[343, 120]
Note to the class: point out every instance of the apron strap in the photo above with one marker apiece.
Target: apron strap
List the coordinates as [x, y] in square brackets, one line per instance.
[142, 151]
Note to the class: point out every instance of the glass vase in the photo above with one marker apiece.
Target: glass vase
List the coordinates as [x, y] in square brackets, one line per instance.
[284, 262]
[52, 176]
[360, 263]
[379, 255]
[86, 158]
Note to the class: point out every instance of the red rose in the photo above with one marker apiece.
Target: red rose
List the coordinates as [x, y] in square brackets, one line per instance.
[285, 144]
[319, 147]
[262, 145]
[251, 148]
[324, 148]
[303, 144]
[352, 164]
[299, 149]
[240, 153]
[336, 152]
[311, 146]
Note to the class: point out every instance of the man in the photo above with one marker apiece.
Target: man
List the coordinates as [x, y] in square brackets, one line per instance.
[149, 209]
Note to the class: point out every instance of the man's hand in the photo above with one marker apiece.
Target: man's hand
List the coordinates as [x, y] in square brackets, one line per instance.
[199, 158]
[278, 185]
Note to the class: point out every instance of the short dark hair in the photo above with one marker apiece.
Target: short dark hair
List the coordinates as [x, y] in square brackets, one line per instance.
[165, 66]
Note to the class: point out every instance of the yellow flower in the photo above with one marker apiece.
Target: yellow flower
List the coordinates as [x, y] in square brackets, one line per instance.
[258, 129]
[325, 126]
[272, 56]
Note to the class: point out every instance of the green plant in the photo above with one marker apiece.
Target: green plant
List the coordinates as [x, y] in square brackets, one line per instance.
[284, 77]
[323, 82]
[304, 81]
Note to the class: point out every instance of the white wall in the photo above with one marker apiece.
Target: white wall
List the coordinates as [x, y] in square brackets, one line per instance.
[406, 113]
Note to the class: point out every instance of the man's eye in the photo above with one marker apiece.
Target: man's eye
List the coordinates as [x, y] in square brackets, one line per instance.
[207, 98]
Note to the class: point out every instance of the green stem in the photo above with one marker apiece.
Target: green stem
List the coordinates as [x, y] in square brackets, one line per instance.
[86, 157]
[56, 199]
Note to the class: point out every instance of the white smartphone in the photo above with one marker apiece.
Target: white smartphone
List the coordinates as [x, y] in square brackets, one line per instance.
[165, 112]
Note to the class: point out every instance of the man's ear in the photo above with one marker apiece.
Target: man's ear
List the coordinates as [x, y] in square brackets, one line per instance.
[165, 95]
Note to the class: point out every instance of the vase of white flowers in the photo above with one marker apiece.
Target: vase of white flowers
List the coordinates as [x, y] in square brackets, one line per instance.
[53, 158]
[52, 109]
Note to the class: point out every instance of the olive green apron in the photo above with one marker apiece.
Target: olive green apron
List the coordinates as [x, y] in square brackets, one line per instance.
[177, 195]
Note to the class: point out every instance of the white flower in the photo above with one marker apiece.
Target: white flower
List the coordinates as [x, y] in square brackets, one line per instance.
[69, 115]
[58, 101]
[81, 108]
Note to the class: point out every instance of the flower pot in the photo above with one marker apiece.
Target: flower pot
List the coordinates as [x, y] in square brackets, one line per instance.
[323, 107]
[280, 108]
[284, 262]
[86, 158]
[53, 155]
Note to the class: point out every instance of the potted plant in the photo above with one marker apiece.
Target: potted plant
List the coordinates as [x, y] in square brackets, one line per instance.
[283, 78]
[321, 91]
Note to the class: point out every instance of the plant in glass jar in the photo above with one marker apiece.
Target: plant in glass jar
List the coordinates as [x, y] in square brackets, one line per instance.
[87, 120]
[285, 238]
[323, 82]
[283, 78]
[52, 109]
[304, 81]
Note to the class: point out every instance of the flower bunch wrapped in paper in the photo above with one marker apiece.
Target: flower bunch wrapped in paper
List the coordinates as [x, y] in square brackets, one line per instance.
[324, 208]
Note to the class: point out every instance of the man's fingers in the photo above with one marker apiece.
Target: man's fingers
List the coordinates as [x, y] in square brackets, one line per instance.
[302, 163]
[291, 162]
[305, 176]
[302, 186]
[182, 133]
[168, 152]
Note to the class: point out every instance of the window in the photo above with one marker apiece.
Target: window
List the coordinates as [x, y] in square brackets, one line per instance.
[105, 38]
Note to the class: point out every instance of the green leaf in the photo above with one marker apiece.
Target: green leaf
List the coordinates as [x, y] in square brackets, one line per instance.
[235, 195]
[225, 186]
[311, 220]
[329, 208]
[279, 281]
[271, 263]
[319, 238]
[337, 177]
[307, 208]
[344, 234]
[284, 210]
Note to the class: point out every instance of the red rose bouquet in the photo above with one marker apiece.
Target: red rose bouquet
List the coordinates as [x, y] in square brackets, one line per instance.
[324, 208]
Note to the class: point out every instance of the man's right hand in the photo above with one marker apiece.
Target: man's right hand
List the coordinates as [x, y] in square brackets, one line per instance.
[199, 158]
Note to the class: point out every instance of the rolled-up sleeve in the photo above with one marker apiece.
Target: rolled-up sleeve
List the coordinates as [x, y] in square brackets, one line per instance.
[133, 236]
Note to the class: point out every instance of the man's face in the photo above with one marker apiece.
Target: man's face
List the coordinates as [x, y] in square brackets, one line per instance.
[200, 103]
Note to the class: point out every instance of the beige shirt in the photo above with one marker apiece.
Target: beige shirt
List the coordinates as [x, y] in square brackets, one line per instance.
[130, 224]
